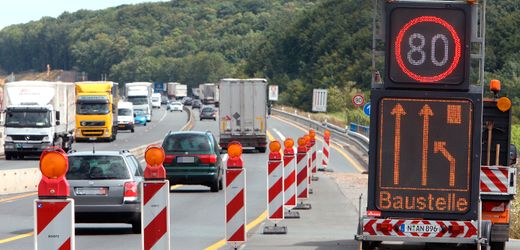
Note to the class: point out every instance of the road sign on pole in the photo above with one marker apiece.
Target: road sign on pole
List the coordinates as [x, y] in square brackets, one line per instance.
[319, 100]
[366, 109]
[273, 92]
[358, 100]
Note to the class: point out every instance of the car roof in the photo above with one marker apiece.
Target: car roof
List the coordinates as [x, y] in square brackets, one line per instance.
[106, 153]
[189, 132]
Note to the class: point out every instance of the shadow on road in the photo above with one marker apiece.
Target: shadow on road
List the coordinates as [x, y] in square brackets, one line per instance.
[103, 230]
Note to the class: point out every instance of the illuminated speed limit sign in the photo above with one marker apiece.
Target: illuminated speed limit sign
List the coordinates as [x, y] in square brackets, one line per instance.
[428, 46]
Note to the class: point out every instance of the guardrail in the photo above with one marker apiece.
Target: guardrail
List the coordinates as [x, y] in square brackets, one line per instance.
[345, 135]
[14, 181]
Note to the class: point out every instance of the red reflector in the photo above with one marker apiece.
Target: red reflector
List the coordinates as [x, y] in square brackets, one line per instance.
[374, 213]
[207, 159]
[169, 158]
[131, 189]
[456, 229]
[384, 227]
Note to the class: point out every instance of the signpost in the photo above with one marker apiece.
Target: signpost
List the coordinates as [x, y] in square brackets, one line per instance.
[319, 100]
[273, 92]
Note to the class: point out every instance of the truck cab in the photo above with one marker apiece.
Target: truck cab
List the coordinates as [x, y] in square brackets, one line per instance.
[38, 114]
[140, 95]
[96, 111]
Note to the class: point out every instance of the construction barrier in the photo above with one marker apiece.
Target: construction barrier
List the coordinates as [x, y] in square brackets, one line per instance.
[289, 173]
[302, 177]
[275, 190]
[155, 201]
[235, 196]
[325, 150]
[53, 210]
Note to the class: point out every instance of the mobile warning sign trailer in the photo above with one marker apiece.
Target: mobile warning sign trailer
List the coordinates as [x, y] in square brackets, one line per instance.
[425, 169]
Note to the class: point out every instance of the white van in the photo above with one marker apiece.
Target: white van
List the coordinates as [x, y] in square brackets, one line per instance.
[125, 116]
[156, 100]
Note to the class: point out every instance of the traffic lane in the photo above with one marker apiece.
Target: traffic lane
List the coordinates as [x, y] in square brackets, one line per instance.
[17, 219]
[338, 160]
[162, 122]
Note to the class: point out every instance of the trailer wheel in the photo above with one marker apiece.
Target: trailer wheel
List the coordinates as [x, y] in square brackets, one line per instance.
[500, 245]
[370, 245]
[8, 156]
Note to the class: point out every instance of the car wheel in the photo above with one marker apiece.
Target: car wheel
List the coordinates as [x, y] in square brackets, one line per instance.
[132, 130]
[201, 119]
[214, 119]
[215, 186]
[8, 157]
[144, 124]
[221, 184]
[136, 227]
[261, 149]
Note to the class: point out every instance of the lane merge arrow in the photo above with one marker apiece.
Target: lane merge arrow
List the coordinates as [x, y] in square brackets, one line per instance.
[440, 146]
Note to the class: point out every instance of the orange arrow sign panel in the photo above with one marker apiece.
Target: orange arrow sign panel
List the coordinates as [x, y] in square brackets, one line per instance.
[423, 158]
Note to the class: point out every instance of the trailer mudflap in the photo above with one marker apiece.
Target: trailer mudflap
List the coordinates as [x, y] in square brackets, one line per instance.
[497, 180]
[417, 230]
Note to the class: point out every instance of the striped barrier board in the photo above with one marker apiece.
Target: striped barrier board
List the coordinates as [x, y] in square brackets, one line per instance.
[313, 157]
[54, 224]
[235, 205]
[498, 180]
[325, 150]
[395, 229]
[302, 177]
[289, 163]
[275, 187]
[155, 214]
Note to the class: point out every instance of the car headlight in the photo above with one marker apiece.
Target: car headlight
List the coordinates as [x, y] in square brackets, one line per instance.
[46, 139]
[8, 138]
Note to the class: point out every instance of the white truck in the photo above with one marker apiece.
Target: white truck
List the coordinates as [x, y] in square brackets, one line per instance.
[177, 91]
[156, 100]
[243, 112]
[38, 114]
[209, 93]
[140, 94]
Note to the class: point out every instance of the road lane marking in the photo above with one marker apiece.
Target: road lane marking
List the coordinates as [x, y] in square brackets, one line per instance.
[176, 186]
[249, 226]
[279, 134]
[12, 198]
[164, 116]
[338, 149]
[17, 237]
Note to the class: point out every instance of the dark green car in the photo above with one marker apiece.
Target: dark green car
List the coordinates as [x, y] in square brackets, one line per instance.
[193, 158]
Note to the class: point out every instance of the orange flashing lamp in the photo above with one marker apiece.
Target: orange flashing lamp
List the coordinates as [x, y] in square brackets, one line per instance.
[54, 164]
[504, 104]
[154, 156]
[274, 148]
[289, 144]
[312, 133]
[302, 145]
[494, 86]
[234, 151]
[326, 133]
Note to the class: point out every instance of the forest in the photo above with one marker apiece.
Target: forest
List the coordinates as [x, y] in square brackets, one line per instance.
[296, 44]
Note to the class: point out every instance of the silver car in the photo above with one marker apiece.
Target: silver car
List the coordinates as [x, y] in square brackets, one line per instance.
[105, 187]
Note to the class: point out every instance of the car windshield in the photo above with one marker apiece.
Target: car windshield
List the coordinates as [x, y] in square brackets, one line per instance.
[124, 112]
[139, 112]
[87, 108]
[27, 118]
[176, 103]
[97, 167]
[138, 100]
[208, 109]
[187, 143]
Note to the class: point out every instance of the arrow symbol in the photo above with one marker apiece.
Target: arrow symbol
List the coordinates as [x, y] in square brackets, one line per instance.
[425, 112]
[440, 146]
[397, 111]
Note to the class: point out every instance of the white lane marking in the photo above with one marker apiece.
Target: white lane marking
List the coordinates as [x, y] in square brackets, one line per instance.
[224, 158]
[164, 116]
[279, 134]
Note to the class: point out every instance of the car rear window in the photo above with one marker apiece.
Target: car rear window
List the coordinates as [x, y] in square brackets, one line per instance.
[207, 109]
[97, 167]
[187, 143]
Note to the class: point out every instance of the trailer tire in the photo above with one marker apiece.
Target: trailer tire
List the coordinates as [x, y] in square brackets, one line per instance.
[8, 156]
[370, 245]
[500, 245]
[261, 149]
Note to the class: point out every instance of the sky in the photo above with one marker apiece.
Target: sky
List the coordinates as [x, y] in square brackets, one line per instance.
[22, 11]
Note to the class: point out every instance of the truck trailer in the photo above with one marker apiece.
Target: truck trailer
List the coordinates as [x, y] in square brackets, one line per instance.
[96, 110]
[140, 94]
[208, 93]
[38, 114]
[242, 112]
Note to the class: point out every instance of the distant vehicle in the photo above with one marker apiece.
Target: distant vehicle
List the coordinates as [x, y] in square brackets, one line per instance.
[140, 94]
[140, 117]
[38, 114]
[208, 112]
[177, 91]
[174, 106]
[125, 116]
[196, 104]
[105, 187]
[96, 110]
[243, 112]
[187, 101]
[164, 99]
[156, 100]
[196, 93]
[208, 93]
[193, 158]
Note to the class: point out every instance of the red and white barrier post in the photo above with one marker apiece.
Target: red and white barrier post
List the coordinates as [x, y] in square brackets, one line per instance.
[53, 210]
[155, 201]
[302, 177]
[289, 173]
[314, 162]
[235, 196]
[325, 152]
[275, 189]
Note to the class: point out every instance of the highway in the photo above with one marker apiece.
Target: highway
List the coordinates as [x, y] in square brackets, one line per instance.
[197, 215]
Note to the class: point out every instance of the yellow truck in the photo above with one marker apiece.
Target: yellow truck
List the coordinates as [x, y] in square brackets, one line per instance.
[96, 111]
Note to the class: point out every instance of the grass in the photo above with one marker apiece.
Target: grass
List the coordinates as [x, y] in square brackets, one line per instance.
[515, 206]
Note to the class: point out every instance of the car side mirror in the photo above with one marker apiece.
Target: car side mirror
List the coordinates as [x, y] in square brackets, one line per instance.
[57, 122]
[135, 115]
